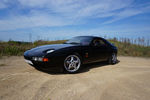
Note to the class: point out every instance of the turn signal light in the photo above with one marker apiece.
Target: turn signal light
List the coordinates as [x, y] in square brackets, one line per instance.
[45, 59]
[86, 55]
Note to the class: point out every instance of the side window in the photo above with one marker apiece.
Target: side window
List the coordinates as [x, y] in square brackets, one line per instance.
[98, 42]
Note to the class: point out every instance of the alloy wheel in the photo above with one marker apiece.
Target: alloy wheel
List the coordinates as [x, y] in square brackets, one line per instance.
[72, 63]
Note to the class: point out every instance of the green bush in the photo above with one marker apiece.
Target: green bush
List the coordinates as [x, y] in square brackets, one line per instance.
[125, 48]
[129, 49]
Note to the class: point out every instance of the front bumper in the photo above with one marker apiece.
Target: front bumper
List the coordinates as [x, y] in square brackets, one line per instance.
[52, 64]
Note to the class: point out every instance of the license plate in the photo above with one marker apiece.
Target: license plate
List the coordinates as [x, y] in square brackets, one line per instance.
[28, 61]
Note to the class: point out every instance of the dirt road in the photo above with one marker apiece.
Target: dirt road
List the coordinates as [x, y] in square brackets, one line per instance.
[127, 80]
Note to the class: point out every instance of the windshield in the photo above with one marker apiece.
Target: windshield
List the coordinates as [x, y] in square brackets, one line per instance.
[80, 40]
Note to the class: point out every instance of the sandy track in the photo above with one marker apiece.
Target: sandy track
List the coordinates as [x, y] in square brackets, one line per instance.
[127, 80]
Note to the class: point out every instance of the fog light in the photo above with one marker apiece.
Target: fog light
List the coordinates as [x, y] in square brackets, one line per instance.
[37, 58]
[40, 59]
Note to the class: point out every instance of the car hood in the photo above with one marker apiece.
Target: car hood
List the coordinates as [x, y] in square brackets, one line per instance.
[39, 51]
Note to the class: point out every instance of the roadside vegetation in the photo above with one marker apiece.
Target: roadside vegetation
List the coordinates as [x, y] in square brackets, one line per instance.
[126, 47]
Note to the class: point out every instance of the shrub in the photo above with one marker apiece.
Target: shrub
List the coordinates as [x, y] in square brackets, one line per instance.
[125, 47]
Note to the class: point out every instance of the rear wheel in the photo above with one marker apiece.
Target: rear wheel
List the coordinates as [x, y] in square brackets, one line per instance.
[72, 63]
[113, 58]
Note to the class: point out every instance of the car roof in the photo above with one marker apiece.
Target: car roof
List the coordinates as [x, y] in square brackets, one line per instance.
[89, 36]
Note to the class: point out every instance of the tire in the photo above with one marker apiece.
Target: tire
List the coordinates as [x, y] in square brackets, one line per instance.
[113, 58]
[72, 63]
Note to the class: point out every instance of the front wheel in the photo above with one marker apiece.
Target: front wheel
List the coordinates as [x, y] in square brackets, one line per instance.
[72, 63]
[113, 58]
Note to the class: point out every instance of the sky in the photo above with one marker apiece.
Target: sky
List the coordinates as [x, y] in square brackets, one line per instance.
[30, 20]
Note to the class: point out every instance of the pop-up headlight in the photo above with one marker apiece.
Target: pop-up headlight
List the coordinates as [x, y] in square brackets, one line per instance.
[50, 51]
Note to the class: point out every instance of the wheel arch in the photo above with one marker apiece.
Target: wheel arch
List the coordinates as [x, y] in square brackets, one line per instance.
[74, 53]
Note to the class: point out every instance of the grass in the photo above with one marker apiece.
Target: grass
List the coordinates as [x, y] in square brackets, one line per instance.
[125, 48]
[129, 49]
[15, 48]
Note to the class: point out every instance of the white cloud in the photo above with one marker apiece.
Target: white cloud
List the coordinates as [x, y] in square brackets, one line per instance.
[77, 8]
[128, 13]
[2, 5]
[34, 3]
[68, 12]
[37, 20]
[103, 7]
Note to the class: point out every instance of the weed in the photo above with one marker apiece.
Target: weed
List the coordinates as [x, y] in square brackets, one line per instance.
[126, 47]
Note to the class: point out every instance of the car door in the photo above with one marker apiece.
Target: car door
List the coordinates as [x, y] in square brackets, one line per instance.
[99, 49]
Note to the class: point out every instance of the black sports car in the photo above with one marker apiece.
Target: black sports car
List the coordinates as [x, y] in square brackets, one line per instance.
[72, 54]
